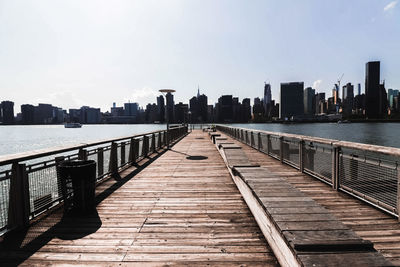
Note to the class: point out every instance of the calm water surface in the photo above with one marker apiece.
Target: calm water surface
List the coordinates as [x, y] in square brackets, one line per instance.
[16, 139]
[384, 134]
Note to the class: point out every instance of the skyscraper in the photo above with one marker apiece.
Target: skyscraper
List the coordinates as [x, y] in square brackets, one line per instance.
[267, 99]
[348, 99]
[246, 110]
[292, 99]
[161, 108]
[225, 109]
[372, 90]
[309, 103]
[170, 107]
[27, 114]
[198, 108]
[131, 109]
[7, 112]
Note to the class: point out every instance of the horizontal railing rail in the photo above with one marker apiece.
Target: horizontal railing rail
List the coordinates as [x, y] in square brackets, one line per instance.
[29, 184]
[200, 126]
[368, 172]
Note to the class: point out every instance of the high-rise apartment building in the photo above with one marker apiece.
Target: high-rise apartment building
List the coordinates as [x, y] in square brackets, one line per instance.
[308, 101]
[170, 107]
[7, 112]
[291, 100]
[372, 90]
[348, 99]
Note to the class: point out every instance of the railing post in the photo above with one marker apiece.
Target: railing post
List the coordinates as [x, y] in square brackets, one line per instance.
[247, 138]
[269, 145]
[335, 168]
[82, 154]
[130, 152]
[153, 143]
[145, 146]
[19, 204]
[123, 153]
[100, 161]
[259, 141]
[165, 138]
[113, 167]
[159, 140]
[252, 139]
[135, 151]
[301, 155]
[281, 149]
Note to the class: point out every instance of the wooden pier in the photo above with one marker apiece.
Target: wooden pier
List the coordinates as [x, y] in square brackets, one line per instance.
[189, 206]
[175, 211]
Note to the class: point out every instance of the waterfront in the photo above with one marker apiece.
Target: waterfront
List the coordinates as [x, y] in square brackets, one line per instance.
[383, 134]
[17, 139]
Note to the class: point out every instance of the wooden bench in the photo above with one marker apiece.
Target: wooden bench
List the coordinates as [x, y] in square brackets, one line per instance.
[298, 229]
[313, 235]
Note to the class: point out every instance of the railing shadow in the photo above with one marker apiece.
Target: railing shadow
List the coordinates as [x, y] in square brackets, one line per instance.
[18, 246]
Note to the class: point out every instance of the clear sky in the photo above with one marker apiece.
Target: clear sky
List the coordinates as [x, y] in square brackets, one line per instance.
[74, 53]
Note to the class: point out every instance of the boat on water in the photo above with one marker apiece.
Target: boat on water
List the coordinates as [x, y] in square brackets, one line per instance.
[73, 125]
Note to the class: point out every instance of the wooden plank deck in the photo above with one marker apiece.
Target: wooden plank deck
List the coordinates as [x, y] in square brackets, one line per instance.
[366, 221]
[175, 211]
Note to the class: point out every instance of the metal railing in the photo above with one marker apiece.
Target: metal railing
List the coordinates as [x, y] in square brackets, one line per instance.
[29, 184]
[200, 126]
[368, 172]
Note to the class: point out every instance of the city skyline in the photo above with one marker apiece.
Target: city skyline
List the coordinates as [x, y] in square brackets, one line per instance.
[128, 50]
[296, 103]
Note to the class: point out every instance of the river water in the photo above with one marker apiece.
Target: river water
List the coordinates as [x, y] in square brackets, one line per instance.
[16, 139]
[383, 134]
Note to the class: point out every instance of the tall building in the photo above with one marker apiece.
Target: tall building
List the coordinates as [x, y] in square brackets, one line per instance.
[308, 101]
[7, 112]
[320, 103]
[359, 89]
[90, 115]
[170, 107]
[372, 90]
[291, 99]
[267, 99]
[348, 99]
[198, 108]
[391, 94]
[383, 103]
[225, 109]
[161, 109]
[27, 114]
[246, 110]
[43, 114]
[258, 108]
[131, 109]
[181, 112]
[151, 113]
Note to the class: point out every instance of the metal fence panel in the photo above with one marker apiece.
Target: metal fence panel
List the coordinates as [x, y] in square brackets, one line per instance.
[370, 176]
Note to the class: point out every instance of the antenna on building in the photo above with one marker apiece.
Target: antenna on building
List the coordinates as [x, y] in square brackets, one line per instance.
[198, 90]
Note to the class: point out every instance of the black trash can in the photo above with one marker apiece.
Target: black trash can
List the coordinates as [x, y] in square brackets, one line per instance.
[79, 178]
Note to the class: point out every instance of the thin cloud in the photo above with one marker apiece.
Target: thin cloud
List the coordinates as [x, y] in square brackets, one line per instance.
[144, 95]
[390, 6]
[317, 85]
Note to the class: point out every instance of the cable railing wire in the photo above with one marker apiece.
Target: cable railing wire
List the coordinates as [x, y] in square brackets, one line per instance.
[368, 172]
[43, 183]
